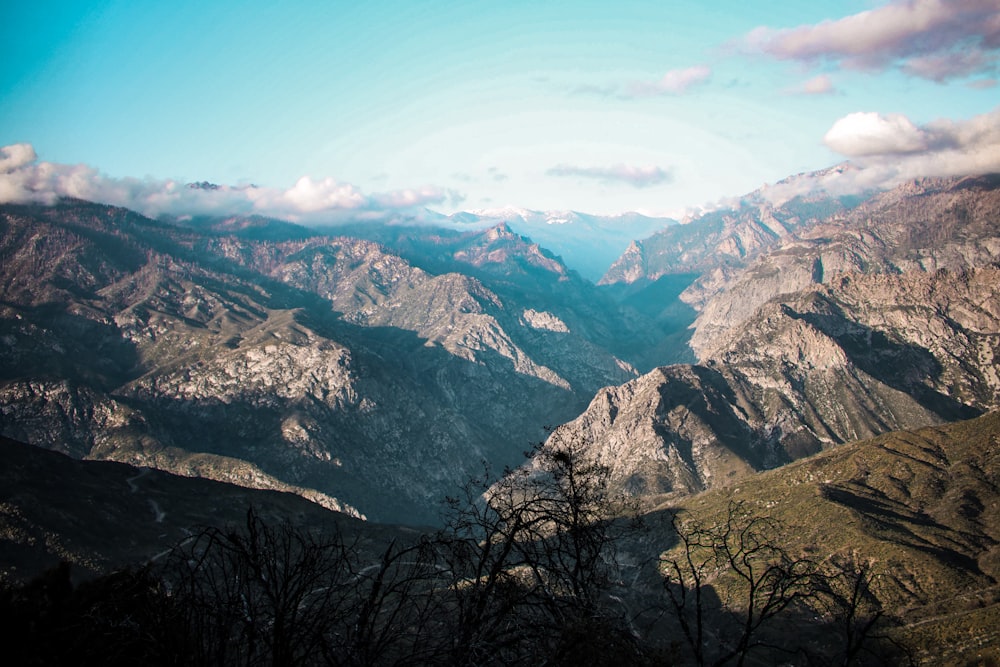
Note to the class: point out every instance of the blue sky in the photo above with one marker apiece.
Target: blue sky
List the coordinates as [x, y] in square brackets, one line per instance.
[334, 107]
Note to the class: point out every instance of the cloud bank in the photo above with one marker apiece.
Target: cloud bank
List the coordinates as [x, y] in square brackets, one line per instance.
[871, 134]
[888, 149]
[24, 179]
[938, 40]
[636, 176]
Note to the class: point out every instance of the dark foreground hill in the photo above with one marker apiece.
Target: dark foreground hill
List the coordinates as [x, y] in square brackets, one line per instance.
[919, 510]
[909, 521]
[102, 515]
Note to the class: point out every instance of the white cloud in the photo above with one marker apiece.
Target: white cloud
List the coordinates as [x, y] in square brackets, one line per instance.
[16, 156]
[933, 39]
[886, 150]
[23, 179]
[868, 133]
[674, 82]
[309, 196]
[636, 176]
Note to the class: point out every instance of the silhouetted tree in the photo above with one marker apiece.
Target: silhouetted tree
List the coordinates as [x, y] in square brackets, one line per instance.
[725, 581]
[281, 595]
[258, 595]
[849, 600]
[124, 618]
[532, 554]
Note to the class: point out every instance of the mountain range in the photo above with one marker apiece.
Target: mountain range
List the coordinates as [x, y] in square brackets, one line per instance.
[877, 317]
[328, 364]
[373, 368]
[378, 368]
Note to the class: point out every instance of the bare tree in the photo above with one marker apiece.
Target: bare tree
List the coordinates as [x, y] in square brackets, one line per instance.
[261, 595]
[750, 579]
[850, 599]
[280, 595]
[532, 554]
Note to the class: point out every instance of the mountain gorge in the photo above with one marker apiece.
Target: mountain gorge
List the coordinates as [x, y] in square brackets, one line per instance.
[588, 243]
[826, 365]
[879, 317]
[374, 367]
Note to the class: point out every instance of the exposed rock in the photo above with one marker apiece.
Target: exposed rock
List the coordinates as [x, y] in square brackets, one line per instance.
[884, 317]
[938, 224]
[328, 366]
[725, 237]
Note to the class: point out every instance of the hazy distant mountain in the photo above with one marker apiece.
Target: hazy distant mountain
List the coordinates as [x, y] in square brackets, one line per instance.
[587, 243]
[723, 239]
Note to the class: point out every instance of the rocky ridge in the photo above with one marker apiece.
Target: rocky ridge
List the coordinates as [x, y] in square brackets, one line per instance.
[916, 228]
[884, 317]
[325, 364]
[726, 237]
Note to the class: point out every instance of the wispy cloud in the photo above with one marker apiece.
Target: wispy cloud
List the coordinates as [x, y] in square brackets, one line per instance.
[24, 179]
[497, 175]
[941, 67]
[636, 176]
[818, 85]
[938, 40]
[674, 82]
[886, 150]
[608, 90]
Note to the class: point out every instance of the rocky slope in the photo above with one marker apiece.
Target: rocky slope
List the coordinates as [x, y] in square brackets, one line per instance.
[271, 356]
[919, 509]
[881, 318]
[917, 228]
[722, 239]
[518, 270]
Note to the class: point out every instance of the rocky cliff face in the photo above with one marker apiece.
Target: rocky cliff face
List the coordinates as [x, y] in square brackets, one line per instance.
[914, 229]
[516, 270]
[324, 365]
[725, 237]
[883, 317]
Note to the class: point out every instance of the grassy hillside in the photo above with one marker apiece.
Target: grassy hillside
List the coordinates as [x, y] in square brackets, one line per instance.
[920, 508]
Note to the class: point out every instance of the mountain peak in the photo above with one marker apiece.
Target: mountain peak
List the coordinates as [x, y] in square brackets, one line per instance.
[501, 231]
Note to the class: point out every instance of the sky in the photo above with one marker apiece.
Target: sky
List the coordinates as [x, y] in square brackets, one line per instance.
[321, 110]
